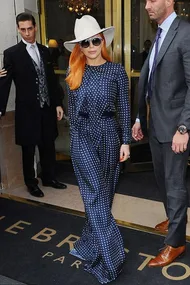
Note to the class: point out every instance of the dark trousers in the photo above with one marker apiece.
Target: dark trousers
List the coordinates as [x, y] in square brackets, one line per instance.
[170, 173]
[46, 149]
[47, 162]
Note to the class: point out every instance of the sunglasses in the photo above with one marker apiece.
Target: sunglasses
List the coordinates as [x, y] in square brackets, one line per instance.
[95, 41]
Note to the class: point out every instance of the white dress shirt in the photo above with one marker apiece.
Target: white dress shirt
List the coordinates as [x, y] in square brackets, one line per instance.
[30, 51]
[165, 27]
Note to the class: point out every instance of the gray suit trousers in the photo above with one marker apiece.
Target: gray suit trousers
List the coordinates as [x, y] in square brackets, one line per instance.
[170, 173]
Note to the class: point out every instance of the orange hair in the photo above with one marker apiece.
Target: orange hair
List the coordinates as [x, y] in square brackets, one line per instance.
[77, 64]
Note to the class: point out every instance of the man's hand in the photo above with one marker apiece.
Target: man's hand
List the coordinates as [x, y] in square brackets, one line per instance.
[179, 142]
[137, 132]
[59, 110]
[3, 72]
[124, 152]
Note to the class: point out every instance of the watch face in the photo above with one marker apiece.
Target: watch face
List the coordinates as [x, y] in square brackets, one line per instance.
[182, 129]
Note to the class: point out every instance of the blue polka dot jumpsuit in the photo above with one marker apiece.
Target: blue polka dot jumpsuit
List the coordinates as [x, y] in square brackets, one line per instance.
[99, 123]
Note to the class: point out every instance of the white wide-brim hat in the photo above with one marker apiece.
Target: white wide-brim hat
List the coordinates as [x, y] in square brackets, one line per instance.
[87, 27]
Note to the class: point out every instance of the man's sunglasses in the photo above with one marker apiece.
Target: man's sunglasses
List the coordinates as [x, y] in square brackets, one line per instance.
[95, 41]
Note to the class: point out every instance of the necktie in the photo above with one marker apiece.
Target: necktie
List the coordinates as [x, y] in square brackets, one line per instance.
[158, 34]
[34, 55]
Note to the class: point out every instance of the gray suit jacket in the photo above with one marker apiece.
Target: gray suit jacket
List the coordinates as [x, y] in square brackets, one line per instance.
[170, 100]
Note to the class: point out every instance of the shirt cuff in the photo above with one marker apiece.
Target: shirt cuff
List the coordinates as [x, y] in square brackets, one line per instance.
[137, 120]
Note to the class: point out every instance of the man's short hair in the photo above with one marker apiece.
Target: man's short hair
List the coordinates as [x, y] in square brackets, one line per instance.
[22, 17]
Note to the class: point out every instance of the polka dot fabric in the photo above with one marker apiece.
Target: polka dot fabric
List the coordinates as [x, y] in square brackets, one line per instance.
[95, 146]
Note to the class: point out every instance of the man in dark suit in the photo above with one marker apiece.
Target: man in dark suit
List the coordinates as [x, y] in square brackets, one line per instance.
[37, 106]
[165, 85]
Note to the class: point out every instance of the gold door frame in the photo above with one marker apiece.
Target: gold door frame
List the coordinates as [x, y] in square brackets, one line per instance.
[43, 23]
[127, 36]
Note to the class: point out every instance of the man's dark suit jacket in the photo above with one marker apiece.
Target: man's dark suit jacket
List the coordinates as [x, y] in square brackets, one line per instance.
[21, 70]
[170, 100]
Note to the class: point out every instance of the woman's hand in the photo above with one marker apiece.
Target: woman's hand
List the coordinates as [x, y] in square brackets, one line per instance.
[3, 72]
[59, 110]
[124, 152]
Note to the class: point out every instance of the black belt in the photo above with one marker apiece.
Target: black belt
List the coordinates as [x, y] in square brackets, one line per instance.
[106, 114]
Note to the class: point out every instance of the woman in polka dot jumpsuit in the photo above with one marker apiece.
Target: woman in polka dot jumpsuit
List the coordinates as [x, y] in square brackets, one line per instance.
[100, 136]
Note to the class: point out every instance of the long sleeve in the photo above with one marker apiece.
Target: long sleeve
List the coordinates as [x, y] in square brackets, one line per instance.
[185, 58]
[123, 106]
[5, 83]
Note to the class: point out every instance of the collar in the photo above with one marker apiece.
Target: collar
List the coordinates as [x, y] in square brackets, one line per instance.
[29, 44]
[168, 21]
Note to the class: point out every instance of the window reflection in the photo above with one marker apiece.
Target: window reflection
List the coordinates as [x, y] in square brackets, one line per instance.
[59, 28]
[182, 8]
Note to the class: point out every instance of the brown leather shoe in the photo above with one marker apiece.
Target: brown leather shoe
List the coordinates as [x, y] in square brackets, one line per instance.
[167, 256]
[163, 226]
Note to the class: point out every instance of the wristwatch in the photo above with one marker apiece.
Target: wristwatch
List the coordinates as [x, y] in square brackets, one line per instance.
[182, 129]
